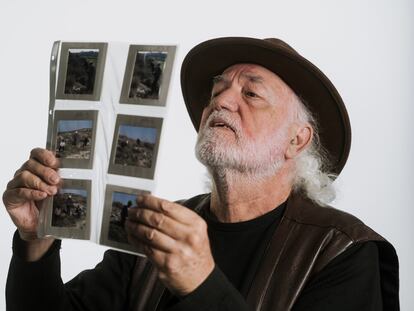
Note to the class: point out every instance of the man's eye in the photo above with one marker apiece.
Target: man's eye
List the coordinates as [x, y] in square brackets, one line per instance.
[250, 94]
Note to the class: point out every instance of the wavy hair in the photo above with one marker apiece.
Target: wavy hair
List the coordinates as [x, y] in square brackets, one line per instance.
[312, 177]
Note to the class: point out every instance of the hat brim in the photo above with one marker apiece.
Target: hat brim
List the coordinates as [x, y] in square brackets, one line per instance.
[212, 57]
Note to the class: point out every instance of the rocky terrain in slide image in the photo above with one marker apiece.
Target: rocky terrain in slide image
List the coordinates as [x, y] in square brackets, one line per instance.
[134, 152]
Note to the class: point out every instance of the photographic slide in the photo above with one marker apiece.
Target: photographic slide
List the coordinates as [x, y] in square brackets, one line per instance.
[74, 137]
[69, 210]
[135, 146]
[147, 75]
[117, 202]
[81, 71]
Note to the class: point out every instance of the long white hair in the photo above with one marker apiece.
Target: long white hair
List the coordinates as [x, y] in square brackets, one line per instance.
[312, 165]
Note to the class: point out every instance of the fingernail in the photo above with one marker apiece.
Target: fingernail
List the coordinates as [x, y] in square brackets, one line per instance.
[54, 179]
[140, 198]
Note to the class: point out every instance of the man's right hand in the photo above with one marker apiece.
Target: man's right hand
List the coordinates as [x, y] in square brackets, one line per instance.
[32, 183]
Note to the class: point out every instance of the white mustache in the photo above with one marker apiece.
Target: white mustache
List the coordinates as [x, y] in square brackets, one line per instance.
[223, 117]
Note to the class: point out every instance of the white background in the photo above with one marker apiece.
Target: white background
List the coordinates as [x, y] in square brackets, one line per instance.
[365, 47]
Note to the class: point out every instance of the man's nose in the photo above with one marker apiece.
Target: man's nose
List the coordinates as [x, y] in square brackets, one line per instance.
[228, 99]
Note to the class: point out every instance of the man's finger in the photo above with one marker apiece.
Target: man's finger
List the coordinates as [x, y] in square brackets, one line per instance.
[15, 197]
[159, 221]
[158, 257]
[150, 236]
[173, 210]
[45, 157]
[28, 180]
[48, 174]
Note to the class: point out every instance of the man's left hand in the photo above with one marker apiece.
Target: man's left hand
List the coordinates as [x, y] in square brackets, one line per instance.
[175, 239]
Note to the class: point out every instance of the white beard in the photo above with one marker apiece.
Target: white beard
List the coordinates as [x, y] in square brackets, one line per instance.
[221, 149]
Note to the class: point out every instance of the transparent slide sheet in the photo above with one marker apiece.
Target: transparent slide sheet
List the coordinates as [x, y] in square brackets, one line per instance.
[108, 102]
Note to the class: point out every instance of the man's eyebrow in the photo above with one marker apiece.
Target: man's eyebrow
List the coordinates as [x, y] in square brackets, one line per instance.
[253, 78]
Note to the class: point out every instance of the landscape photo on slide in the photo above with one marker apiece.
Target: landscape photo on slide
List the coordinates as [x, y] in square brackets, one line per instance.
[135, 146]
[74, 139]
[70, 208]
[147, 74]
[119, 212]
[81, 71]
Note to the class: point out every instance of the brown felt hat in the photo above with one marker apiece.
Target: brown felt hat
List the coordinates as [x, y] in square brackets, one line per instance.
[212, 57]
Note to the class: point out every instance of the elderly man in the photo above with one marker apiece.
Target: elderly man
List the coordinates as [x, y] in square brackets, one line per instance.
[262, 240]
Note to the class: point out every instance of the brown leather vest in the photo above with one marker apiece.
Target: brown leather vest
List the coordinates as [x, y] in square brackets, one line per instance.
[306, 240]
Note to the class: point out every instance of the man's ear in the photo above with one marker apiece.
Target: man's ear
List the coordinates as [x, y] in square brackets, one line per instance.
[301, 137]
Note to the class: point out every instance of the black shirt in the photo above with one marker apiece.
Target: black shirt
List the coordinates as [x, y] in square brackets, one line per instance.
[238, 247]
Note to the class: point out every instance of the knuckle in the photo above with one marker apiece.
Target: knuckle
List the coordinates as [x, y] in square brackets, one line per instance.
[5, 197]
[45, 171]
[37, 184]
[199, 234]
[157, 219]
[24, 178]
[48, 153]
[20, 192]
[143, 199]
[193, 239]
[51, 176]
[170, 265]
[150, 234]
[10, 184]
[33, 192]
[35, 152]
[26, 164]
[17, 172]
[42, 155]
[184, 252]
[24, 175]
[165, 206]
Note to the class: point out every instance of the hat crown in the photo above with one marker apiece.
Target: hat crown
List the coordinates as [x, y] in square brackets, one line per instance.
[280, 44]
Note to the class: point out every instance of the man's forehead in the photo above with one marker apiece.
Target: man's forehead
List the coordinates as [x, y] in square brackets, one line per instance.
[256, 74]
[247, 69]
[251, 72]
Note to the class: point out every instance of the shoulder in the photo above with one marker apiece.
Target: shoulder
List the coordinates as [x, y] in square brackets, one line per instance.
[332, 232]
[328, 218]
[308, 212]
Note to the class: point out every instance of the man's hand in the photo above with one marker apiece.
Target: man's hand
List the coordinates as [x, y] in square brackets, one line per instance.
[175, 239]
[32, 183]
